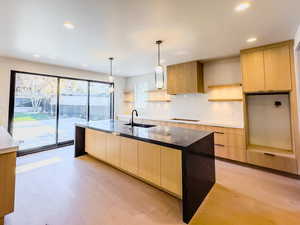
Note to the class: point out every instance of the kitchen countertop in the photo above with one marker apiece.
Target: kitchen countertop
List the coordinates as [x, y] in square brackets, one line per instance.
[7, 143]
[173, 137]
[227, 125]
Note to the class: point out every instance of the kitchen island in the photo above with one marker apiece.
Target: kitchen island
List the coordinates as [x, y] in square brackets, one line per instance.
[8, 149]
[177, 160]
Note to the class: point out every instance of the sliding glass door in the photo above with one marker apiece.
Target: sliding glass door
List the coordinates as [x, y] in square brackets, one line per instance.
[73, 107]
[44, 108]
[100, 101]
[35, 116]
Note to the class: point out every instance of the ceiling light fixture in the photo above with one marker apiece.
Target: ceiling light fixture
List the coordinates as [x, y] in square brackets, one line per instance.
[159, 70]
[243, 6]
[69, 25]
[85, 65]
[36, 56]
[251, 40]
[111, 78]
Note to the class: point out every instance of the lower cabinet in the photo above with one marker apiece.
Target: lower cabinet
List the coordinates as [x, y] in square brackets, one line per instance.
[149, 162]
[171, 173]
[153, 163]
[96, 143]
[129, 155]
[7, 183]
[272, 161]
[113, 152]
[221, 151]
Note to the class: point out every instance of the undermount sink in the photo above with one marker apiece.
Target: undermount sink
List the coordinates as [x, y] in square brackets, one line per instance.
[140, 125]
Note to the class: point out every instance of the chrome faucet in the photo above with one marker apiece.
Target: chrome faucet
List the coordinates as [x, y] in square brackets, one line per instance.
[136, 114]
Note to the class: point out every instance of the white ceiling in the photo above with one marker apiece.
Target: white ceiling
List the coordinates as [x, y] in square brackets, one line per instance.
[127, 30]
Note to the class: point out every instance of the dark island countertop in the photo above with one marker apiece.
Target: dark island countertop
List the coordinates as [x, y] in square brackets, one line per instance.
[173, 137]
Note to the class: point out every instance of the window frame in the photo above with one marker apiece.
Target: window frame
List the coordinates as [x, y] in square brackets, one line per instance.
[13, 74]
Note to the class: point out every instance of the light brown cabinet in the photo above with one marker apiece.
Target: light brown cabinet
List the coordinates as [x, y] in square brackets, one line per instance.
[277, 68]
[267, 68]
[185, 78]
[253, 71]
[149, 162]
[171, 167]
[155, 164]
[273, 161]
[129, 155]
[113, 153]
[7, 184]
[230, 143]
[96, 143]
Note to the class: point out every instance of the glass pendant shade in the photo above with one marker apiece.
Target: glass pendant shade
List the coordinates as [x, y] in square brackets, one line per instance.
[159, 69]
[159, 77]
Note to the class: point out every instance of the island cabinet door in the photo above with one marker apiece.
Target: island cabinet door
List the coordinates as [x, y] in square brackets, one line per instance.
[7, 183]
[129, 155]
[171, 173]
[149, 162]
[113, 153]
[96, 143]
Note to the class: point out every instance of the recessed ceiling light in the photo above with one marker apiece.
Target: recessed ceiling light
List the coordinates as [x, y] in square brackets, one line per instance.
[242, 7]
[69, 25]
[250, 40]
[36, 56]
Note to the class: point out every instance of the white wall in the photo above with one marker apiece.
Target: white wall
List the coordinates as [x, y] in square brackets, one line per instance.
[193, 106]
[8, 64]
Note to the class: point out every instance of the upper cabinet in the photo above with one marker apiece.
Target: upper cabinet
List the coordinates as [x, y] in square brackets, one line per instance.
[185, 78]
[267, 68]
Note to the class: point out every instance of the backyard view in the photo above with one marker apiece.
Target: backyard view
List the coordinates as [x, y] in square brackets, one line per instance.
[36, 102]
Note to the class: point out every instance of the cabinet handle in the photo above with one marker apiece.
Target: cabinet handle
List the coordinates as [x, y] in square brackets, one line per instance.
[269, 154]
[219, 133]
[219, 145]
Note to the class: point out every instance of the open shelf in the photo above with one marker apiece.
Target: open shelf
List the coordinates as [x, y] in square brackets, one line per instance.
[275, 151]
[128, 92]
[226, 100]
[159, 100]
[225, 85]
[156, 90]
[158, 95]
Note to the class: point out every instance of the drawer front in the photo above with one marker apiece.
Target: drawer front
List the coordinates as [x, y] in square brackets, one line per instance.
[220, 138]
[221, 151]
[272, 161]
[237, 154]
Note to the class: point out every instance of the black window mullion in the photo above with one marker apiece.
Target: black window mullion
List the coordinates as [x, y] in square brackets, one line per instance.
[88, 103]
[57, 109]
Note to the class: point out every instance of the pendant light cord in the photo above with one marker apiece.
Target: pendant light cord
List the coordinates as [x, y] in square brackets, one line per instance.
[158, 51]
[158, 58]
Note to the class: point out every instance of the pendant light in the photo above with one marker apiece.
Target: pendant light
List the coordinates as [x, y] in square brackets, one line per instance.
[159, 70]
[111, 78]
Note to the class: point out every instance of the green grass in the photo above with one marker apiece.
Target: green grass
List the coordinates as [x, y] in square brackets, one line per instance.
[23, 117]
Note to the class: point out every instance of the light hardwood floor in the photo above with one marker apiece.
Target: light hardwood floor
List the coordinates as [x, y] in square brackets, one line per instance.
[54, 188]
